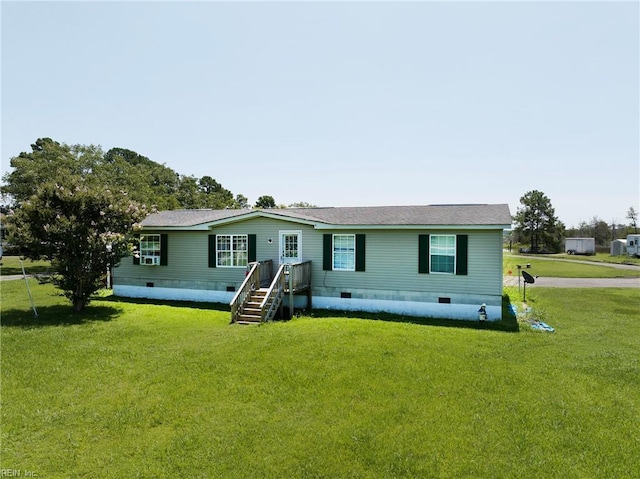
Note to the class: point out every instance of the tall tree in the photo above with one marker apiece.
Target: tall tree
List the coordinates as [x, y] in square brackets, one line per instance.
[600, 231]
[145, 181]
[266, 202]
[213, 195]
[48, 161]
[632, 216]
[241, 202]
[83, 230]
[536, 220]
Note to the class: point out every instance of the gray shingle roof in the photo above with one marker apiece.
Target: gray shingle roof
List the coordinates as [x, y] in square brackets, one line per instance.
[435, 215]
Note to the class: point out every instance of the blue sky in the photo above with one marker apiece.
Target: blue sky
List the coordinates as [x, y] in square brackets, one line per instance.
[343, 103]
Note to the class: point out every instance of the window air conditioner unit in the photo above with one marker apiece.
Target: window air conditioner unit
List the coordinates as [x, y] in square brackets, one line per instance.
[150, 260]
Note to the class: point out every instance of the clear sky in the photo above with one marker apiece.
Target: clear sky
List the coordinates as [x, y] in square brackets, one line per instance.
[343, 103]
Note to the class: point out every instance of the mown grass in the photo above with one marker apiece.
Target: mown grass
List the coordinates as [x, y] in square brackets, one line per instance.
[598, 258]
[10, 265]
[144, 390]
[563, 269]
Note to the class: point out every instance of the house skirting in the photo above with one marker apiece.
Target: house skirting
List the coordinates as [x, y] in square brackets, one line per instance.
[406, 307]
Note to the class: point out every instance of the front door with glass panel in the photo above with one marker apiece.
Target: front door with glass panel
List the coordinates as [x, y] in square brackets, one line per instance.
[290, 247]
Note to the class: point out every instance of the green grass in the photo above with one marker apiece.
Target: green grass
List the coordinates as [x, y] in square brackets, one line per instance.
[143, 390]
[563, 269]
[599, 258]
[10, 265]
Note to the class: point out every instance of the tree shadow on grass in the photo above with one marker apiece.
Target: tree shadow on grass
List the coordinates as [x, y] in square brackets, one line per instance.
[57, 315]
[161, 302]
[508, 323]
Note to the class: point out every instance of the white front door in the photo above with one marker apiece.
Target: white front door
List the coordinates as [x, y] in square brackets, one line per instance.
[290, 247]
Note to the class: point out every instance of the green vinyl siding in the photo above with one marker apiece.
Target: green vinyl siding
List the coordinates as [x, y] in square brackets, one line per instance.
[395, 263]
[393, 260]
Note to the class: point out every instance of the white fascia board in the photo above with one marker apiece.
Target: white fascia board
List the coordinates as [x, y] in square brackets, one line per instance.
[258, 214]
[268, 214]
[233, 219]
[323, 226]
[202, 227]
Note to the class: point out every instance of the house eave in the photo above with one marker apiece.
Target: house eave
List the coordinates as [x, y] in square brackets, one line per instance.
[230, 220]
[327, 226]
[324, 226]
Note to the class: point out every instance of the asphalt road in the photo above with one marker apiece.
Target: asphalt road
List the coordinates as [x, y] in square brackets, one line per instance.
[580, 282]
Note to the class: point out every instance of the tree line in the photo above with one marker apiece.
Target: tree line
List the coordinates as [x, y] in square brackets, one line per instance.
[144, 181]
[78, 206]
[536, 224]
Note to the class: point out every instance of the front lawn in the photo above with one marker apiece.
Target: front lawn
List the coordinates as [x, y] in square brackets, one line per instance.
[144, 390]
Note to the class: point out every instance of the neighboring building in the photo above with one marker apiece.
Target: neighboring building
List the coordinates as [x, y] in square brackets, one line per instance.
[438, 261]
[633, 245]
[618, 247]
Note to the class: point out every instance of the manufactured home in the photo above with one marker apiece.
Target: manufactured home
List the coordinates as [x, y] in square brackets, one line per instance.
[434, 261]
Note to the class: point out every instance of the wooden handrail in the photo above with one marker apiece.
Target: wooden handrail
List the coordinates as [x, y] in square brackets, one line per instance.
[251, 283]
[299, 275]
[266, 272]
[274, 295]
[295, 277]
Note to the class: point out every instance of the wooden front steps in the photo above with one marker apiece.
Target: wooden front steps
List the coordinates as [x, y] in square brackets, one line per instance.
[251, 312]
[261, 295]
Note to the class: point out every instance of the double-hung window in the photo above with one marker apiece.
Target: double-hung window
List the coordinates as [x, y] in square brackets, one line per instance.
[232, 250]
[442, 254]
[150, 249]
[344, 252]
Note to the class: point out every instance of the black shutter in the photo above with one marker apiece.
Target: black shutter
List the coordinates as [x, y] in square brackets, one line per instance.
[360, 252]
[423, 254]
[462, 247]
[252, 248]
[327, 252]
[136, 249]
[212, 251]
[164, 252]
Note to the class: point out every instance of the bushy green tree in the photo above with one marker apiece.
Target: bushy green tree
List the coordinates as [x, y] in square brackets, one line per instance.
[83, 230]
[120, 169]
[265, 202]
[536, 221]
[49, 161]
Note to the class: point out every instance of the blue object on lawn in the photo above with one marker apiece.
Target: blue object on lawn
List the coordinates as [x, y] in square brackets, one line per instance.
[542, 326]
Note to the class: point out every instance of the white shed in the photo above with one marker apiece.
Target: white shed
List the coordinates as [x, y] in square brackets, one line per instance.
[618, 247]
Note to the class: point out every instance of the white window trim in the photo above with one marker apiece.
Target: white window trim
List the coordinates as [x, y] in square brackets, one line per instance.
[333, 251]
[455, 259]
[233, 253]
[155, 257]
